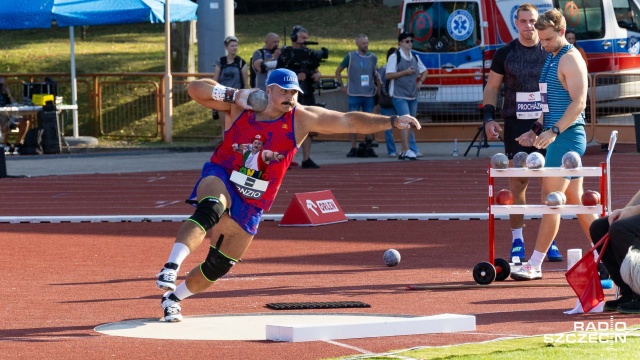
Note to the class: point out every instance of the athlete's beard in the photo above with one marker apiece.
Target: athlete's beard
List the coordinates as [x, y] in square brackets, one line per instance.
[559, 47]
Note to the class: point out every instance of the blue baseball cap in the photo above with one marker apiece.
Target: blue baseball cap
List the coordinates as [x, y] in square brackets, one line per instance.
[284, 78]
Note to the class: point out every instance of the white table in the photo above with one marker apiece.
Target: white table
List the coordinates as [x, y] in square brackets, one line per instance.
[33, 108]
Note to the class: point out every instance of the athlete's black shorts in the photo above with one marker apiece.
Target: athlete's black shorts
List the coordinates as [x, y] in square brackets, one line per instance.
[513, 128]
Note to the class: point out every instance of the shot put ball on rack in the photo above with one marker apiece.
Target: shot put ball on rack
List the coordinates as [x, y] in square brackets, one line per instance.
[499, 161]
[556, 198]
[520, 159]
[571, 160]
[504, 197]
[590, 198]
[535, 160]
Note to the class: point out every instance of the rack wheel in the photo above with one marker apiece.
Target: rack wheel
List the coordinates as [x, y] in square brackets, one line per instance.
[484, 273]
[503, 269]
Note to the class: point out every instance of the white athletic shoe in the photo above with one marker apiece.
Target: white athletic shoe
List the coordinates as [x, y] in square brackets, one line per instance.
[171, 306]
[410, 155]
[167, 279]
[527, 272]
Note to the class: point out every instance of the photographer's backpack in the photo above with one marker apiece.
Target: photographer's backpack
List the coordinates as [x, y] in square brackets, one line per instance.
[48, 120]
[237, 62]
[252, 71]
[32, 144]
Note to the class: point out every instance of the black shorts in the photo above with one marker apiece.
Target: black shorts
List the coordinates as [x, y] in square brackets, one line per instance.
[513, 128]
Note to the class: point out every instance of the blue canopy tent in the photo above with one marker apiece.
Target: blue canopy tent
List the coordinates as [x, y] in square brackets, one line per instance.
[30, 14]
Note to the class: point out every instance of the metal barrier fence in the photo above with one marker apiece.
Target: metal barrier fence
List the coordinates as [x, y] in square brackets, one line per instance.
[613, 101]
[130, 105]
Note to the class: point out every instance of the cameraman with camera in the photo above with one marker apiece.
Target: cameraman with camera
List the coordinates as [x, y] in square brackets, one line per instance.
[304, 62]
[263, 61]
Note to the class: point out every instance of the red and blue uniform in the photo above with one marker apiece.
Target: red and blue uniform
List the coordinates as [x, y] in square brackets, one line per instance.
[252, 191]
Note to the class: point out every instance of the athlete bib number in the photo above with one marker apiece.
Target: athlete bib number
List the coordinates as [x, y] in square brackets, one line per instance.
[544, 98]
[249, 187]
[528, 105]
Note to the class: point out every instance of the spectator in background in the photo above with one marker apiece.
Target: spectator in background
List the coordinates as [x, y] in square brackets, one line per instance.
[570, 35]
[9, 122]
[264, 60]
[230, 70]
[405, 74]
[363, 82]
[624, 16]
[383, 90]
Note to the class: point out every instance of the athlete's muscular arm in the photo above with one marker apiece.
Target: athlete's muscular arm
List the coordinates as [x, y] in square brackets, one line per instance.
[324, 121]
[490, 97]
[201, 91]
[572, 72]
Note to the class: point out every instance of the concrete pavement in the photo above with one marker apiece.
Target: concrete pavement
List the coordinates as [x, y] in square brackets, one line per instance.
[104, 161]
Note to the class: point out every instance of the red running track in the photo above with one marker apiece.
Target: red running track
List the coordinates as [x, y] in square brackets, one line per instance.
[62, 280]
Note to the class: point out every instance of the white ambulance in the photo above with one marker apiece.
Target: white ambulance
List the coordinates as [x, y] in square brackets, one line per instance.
[455, 38]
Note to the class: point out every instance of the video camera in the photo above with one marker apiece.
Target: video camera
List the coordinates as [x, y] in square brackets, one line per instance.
[365, 149]
[304, 59]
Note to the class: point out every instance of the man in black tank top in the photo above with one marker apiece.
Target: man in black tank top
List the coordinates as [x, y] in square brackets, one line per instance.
[518, 65]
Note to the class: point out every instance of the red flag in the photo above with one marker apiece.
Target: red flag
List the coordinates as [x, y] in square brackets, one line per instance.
[584, 279]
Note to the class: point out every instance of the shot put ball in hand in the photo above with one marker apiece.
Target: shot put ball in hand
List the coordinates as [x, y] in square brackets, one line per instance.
[258, 100]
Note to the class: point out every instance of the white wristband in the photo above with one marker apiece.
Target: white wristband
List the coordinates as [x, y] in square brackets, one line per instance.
[271, 64]
[223, 93]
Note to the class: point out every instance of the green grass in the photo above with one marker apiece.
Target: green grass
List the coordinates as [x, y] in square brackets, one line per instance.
[140, 47]
[520, 348]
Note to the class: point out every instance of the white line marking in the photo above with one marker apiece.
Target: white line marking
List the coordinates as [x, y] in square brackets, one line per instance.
[268, 217]
[156, 178]
[348, 346]
[165, 204]
[412, 180]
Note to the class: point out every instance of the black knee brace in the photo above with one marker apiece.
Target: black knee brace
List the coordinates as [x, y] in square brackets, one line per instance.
[216, 265]
[208, 212]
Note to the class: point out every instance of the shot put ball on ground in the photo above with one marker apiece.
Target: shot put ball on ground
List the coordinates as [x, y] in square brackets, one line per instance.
[391, 257]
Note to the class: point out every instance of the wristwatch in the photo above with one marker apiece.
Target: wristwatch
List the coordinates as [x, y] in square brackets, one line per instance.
[555, 130]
